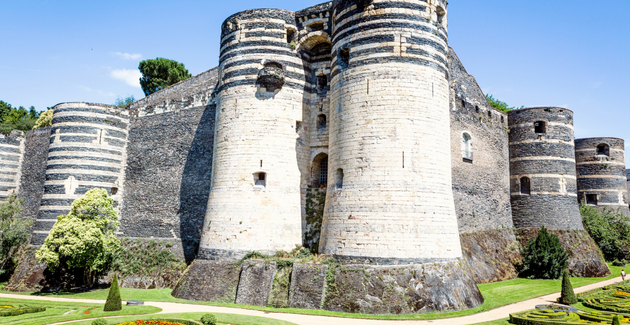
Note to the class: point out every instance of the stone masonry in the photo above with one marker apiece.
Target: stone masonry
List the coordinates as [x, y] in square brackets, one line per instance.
[362, 99]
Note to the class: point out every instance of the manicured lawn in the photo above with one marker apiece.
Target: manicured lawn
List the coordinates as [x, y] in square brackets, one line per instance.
[494, 322]
[222, 318]
[496, 295]
[66, 311]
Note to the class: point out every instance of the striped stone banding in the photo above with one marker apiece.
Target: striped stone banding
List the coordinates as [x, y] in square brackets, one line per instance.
[519, 194]
[88, 144]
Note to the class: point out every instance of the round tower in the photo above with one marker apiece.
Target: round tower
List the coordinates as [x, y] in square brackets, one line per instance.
[254, 202]
[542, 169]
[12, 148]
[389, 198]
[601, 173]
[87, 150]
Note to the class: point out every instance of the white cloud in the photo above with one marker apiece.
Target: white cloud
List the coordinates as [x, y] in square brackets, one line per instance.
[131, 77]
[129, 56]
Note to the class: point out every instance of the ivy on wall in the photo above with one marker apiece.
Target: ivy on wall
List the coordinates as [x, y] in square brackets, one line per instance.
[315, 201]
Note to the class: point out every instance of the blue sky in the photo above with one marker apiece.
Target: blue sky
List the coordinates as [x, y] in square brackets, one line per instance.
[570, 53]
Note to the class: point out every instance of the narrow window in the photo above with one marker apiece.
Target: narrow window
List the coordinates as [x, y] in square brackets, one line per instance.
[591, 199]
[526, 186]
[467, 152]
[502, 119]
[321, 122]
[477, 109]
[463, 103]
[323, 172]
[344, 58]
[322, 82]
[339, 183]
[260, 179]
[290, 35]
[603, 149]
[540, 127]
[114, 190]
[490, 115]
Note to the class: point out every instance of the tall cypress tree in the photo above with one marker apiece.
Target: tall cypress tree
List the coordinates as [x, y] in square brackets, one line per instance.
[567, 296]
[113, 303]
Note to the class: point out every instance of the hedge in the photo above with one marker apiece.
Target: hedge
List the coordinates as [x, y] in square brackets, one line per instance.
[9, 310]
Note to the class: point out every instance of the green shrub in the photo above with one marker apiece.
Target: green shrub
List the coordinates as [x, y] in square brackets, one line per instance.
[99, 321]
[11, 310]
[567, 296]
[208, 319]
[544, 257]
[616, 320]
[619, 263]
[44, 120]
[609, 229]
[113, 303]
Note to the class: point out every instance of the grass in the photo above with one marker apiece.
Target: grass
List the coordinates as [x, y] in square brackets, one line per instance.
[66, 311]
[222, 318]
[494, 322]
[496, 295]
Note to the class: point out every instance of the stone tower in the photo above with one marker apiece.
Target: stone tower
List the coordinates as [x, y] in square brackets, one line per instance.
[254, 202]
[87, 150]
[389, 196]
[601, 173]
[542, 169]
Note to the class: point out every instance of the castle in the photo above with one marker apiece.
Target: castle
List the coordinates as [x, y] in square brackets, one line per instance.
[361, 98]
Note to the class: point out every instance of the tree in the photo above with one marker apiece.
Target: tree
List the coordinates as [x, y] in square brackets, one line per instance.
[567, 296]
[113, 302]
[609, 229]
[160, 73]
[502, 106]
[14, 231]
[44, 120]
[85, 237]
[124, 102]
[544, 257]
[16, 118]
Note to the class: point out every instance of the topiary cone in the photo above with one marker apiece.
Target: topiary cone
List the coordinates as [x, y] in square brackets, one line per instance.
[567, 296]
[113, 302]
[615, 320]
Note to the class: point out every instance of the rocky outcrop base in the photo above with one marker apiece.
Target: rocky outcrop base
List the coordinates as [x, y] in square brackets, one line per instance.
[254, 286]
[308, 286]
[359, 288]
[491, 254]
[585, 258]
[421, 288]
[207, 280]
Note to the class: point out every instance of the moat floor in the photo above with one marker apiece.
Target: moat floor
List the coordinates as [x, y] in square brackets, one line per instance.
[495, 314]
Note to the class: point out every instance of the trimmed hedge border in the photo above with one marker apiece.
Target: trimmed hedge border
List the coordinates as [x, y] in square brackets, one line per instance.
[10, 310]
[179, 321]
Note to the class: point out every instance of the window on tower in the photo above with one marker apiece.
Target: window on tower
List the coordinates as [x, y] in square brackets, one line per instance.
[526, 186]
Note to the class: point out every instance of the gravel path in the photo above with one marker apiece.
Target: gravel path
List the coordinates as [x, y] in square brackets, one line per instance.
[497, 313]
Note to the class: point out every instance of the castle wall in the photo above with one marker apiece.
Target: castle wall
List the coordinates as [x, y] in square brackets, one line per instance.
[11, 151]
[254, 202]
[481, 175]
[169, 165]
[33, 173]
[545, 157]
[390, 136]
[87, 150]
[602, 174]
[167, 179]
